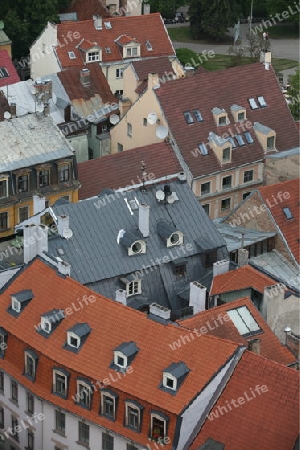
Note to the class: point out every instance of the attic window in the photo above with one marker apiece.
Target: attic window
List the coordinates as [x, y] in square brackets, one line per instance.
[15, 305]
[226, 154]
[108, 25]
[197, 115]
[241, 116]
[188, 117]
[222, 120]
[19, 301]
[169, 234]
[107, 50]
[232, 142]
[133, 288]
[240, 140]
[76, 336]
[261, 101]
[132, 51]
[124, 355]
[253, 103]
[169, 382]
[288, 214]
[72, 55]
[45, 325]
[243, 321]
[73, 340]
[203, 148]
[149, 46]
[93, 56]
[49, 321]
[134, 245]
[120, 360]
[173, 377]
[176, 239]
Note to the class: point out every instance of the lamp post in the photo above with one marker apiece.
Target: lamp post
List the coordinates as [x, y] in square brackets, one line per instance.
[251, 13]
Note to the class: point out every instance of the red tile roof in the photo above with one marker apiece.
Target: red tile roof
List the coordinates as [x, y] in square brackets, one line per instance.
[85, 44]
[85, 9]
[125, 40]
[8, 73]
[112, 324]
[123, 169]
[270, 346]
[241, 278]
[162, 66]
[147, 27]
[222, 89]
[266, 421]
[272, 196]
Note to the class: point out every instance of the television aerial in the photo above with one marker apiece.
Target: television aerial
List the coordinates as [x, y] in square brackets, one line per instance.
[161, 132]
[114, 119]
[152, 118]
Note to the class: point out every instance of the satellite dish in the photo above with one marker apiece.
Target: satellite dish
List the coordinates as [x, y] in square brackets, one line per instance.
[160, 195]
[1, 25]
[152, 118]
[67, 233]
[114, 119]
[7, 115]
[39, 108]
[161, 132]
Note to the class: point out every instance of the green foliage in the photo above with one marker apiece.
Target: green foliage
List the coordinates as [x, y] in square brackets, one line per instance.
[24, 20]
[255, 45]
[212, 17]
[167, 8]
[187, 56]
[294, 95]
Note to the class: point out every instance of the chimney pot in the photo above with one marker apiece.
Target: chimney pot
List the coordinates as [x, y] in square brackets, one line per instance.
[243, 256]
[160, 311]
[197, 297]
[144, 219]
[220, 267]
[121, 296]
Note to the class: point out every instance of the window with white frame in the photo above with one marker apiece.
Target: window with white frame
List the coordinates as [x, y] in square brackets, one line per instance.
[108, 405]
[158, 426]
[120, 359]
[60, 383]
[73, 340]
[15, 305]
[132, 51]
[30, 440]
[129, 129]
[169, 381]
[30, 365]
[93, 56]
[83, 433]
[3, 188]
[119, 73]
[134, 288]
[132, 416]
[84, 394]
[46, 325]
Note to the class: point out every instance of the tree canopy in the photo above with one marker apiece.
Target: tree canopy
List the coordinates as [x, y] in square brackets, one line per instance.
[24, 20]
[294, 96]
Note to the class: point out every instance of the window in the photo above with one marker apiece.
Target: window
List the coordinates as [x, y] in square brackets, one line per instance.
[2, 382]
[1, 417]
[23, 213]
[120, 360]
[60, 422]
[188, 117]
[84, 395]
[46, 325]
[14, 391]
[3, 340]
[129, 129]
[288, 213]
[64, 173]
[119, 73]
[241, 116]
[93, 56]
[226, 182]
[158, 426]
[107, 442]
[180, 270]
[246, 194]
[14, 425]
[30, 365]
[133, 288]
[30, 440]
[23, 183]
[145, 122]
[131, 447]
[108, 406]
[203, 149]
[197, 115]
[83, 433]
[223, 120]
[270, 142]
[225, 204]
[120, 147]
[107, 50]
[240, 139]
[30, 402]
[169, 382]
[60, 383]
[73, 340]
[3, 188]
[206, 208]
[248, 137]
[261, 101]
[148, 46]
[15, 305]
[232, 142]
[132, 51]
[3, 221]
[243, 320]
[119, 93]
[71, 55]
[107, 25]
[44, 178]
[252, 103]
[226, 154]
[248, 176]
[132, 416]
[205, 188]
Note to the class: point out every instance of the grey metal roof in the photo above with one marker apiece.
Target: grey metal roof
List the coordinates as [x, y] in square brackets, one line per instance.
[218, 110]
[24, 296]
[261, 128]
[236, 107]
[127, 348]
[30, 140]
[233, 235]
[279, 155]
[177, 369]
[165, 229]
[93, 251]
[218, 140]
[81, 329]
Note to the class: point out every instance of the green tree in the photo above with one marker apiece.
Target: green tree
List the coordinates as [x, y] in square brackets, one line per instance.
[294, 96]
[24, 20]
[187, 56]
[167, 8]
[212, 17]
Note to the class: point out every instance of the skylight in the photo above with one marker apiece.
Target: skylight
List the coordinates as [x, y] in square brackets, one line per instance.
[243, 320]
[108, 25]
[188, 117]
[72, 55]
[288, 214]
[253, 103]
[197, 115]
[261, 101]
[240, 139]
[232, 142]
[107, 50]
[203, 149]
[248, 137]
[149, 46]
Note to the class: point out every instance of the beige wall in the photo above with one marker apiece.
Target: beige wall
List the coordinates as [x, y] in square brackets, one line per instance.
[115, 83]
[42, 57]
[282, 169]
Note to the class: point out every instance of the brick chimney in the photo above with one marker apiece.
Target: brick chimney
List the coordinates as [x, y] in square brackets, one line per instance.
[254, 346]
[160, 311]
[97, 22]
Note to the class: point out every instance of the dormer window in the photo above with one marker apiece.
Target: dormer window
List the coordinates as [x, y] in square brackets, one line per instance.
[226, 154]
[72, 55]
[169, 381]
[238, 112]
[123, 356]
[169, 234]
[265, 135]
[132, 51]
[134, 245]
[222, 120]
[49, 321]
[84, 393]
[133, 288]
[220, 117]
[19, 301]
[120, 360]
[175, 239]
[173, 377]
[76, 336]
[93, 56]
[31, 360]
[45, 325]
[73, 340]
[15, 305]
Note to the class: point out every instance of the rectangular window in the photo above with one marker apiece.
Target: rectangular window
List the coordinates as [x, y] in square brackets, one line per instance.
[60, 384]
[133, 288]
[133, 417]
[131, 447]
[23, 213]
[93, 56]
[248, 137]
[241, 116]
[84, 394]
[261, 101]
[197, 115]
[60, 422]
[108, 406]
[252, 103]
[203, 149]
[3, 188]
[232, 142]
[119, 93]
[14, 425]
[1, 417]
[243, 320]
[83, 433]
[23, 183]
[206, 208]
[226, 154]
[225, 204]
[205, 188]
[2, 382]
[223, 120]
[132, 51]
[188, 117]
[129, 129]
[270, 143]
[44, 178]
[30, 440]
[119, 73]
[240, 140]
[29, 365]
[227, 182]
[120, 147]
[30, 402]
[64, 173]
[3, 221]
[158, 427]
[248, 176]
[14, 391]
[107, 442]
[145, 122]
[246, 194]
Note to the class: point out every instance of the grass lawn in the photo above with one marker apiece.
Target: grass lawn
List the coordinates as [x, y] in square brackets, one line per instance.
[284, 31]
[183, 34]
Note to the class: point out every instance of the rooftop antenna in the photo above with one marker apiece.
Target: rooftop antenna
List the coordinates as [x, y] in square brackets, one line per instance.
[144, 173]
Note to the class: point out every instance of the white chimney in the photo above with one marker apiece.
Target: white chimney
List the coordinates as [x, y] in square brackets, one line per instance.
[97, 22]
[220, 267]
[62, 224]
[160, 311]
[197, 297]
[63, 267]
[38, 204]
[121, 296]
[35, 241]
[144, 219]
[182, 177]
[243, 256]
[153, 81]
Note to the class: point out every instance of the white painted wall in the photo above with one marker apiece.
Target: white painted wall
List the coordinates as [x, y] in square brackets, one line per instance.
[42, 56]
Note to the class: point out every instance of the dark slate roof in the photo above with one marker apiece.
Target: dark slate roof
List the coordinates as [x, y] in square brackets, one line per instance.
[24, 296]
[81, 329]
[127, 348]
[93, 250]
[221, 89]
